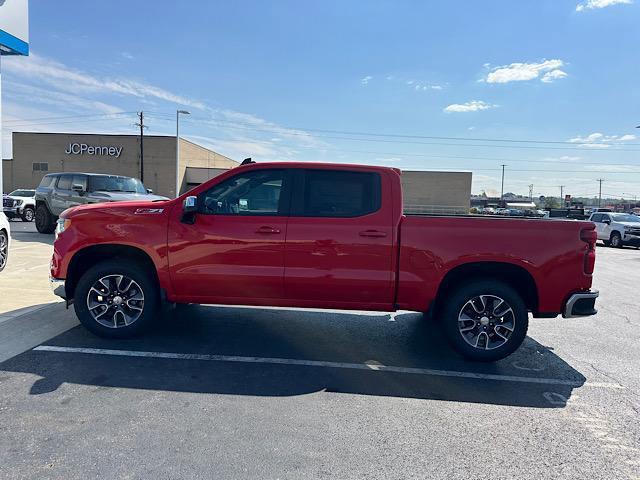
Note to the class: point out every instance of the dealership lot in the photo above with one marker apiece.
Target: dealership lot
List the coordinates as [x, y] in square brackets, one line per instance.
[285, 393]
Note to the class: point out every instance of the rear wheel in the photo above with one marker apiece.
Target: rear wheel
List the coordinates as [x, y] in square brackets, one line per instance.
[616, 240]
[45, 221]
[4, 249]
[485, 320]
[28, 214]
[116, 299]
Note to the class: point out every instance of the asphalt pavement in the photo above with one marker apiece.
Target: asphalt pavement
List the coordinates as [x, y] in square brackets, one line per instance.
[234, 392]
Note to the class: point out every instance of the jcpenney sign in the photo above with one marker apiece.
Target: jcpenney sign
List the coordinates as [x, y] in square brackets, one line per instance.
[84, 149]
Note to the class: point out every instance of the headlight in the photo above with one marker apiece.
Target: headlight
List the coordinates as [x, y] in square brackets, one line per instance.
[61, 225]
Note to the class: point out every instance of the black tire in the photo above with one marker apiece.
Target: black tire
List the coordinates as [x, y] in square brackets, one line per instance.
[606, 243]
[45, 221]
[144, 279]
[616, 240]
[460, 298]
[28, 214]
[4, 249]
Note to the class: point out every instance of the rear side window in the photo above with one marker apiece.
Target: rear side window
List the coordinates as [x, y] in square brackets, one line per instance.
[338, 193]
[64, 183]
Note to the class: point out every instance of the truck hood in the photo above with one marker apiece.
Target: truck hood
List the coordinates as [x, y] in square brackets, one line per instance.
[123, 196]
[629, 224]
[146, 207]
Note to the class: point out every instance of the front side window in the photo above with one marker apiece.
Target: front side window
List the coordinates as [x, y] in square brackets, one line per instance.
[64, 183]
[251, 193]
[597, 218]
[47, 181]
[340, 193]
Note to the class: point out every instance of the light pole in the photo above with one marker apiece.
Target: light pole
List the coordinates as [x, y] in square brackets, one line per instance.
[502, 187]
[178, 112]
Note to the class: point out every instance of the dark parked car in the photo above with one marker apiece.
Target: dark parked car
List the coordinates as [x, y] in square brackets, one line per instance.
[59, 191]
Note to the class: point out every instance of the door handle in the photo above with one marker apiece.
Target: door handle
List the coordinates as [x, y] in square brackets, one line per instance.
[268, 230]
[373, 233]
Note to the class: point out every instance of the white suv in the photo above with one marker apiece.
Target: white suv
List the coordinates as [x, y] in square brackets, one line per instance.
[617, 229]
[20, 203]
[5, 238]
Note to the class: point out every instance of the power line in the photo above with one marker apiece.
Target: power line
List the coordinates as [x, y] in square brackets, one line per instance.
[36, 119]
[397, 135]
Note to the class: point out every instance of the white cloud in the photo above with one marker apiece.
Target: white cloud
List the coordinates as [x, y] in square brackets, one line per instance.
[127, 55]
[472, 106]
[521, 72]
[600, 140]
[553, 75]
[72, 81]
[597, 4]
[365, 80]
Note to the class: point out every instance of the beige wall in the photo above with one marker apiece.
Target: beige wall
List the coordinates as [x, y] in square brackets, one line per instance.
[196, 156]
[159, 158]
[436, 192]
[7, 175]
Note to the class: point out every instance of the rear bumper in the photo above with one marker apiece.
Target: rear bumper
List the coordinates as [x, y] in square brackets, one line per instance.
[581, 304]
[58, 287]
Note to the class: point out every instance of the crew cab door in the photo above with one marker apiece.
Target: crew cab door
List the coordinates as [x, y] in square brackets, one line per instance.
[340, 240]
[233, 252]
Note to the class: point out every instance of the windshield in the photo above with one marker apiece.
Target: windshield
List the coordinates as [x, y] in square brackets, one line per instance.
[114, 183]
[23, 193]
[623, 217]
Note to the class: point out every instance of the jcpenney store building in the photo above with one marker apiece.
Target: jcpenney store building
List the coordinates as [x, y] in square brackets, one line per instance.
[36, 154]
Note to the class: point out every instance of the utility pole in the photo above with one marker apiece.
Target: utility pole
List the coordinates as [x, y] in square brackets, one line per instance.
[502, 188]
[531, 192]
[562, 195]
[600, 180]
[142, 127]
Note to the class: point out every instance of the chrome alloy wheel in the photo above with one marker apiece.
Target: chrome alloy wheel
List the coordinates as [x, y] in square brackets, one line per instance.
[4, 250]
[115, 301]
[486, 322]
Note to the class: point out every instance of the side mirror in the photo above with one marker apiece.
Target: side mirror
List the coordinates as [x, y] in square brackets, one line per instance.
[608, 222]
[189, 209]
[77, 188]
[149, 190]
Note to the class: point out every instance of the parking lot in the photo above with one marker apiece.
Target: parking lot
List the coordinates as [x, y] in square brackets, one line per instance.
[285, 393]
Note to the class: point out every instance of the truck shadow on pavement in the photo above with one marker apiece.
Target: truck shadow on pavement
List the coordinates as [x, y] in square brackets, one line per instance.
[532, 377]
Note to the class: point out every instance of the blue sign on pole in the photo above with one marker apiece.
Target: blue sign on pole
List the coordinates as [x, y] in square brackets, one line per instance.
[14, 27]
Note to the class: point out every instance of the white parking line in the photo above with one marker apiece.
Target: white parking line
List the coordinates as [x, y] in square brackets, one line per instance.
[316, 363]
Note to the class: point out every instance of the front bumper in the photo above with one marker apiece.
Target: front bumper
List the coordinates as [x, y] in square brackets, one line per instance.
[58, 287]
[581, 304]
[12, 212]
[633, 240]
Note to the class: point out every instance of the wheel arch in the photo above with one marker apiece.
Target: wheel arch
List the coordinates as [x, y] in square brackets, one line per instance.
[511, 274]
[87, 257]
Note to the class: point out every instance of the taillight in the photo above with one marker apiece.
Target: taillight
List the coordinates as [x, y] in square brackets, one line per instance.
[589, 236]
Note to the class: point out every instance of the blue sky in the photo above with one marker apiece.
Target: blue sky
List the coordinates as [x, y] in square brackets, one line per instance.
[291, 80]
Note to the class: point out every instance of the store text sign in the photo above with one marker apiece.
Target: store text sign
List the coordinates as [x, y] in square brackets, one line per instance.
[84, 149]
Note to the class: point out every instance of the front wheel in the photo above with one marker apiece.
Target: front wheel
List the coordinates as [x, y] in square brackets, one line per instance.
[485, 320]
[45, 221]
[116, 299]
[27, 214]
[616, 240]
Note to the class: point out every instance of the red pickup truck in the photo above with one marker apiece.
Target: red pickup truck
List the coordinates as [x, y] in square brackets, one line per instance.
[321, 236]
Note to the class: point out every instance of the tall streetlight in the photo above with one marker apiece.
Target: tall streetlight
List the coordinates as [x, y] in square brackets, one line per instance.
[178, 112]
[502, 186]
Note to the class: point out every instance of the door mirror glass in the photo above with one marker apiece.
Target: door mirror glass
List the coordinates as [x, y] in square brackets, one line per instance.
[608, 222]
[190, 204]
[149, 190]
[77, 188]
[189, 209]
